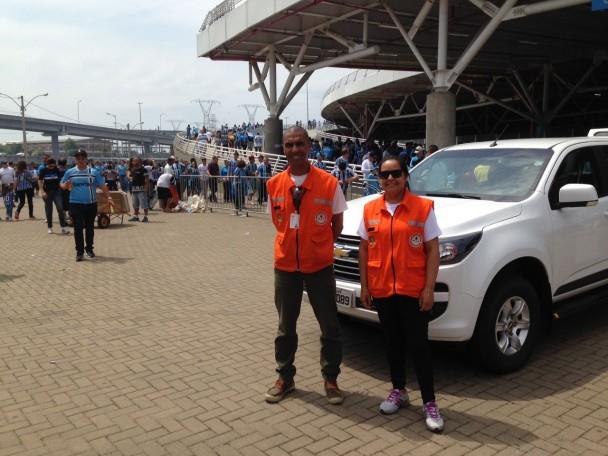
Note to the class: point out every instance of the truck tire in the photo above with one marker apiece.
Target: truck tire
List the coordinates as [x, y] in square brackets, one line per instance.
[509, 324]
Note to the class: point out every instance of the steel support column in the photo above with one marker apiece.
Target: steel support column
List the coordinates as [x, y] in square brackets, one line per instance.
[55, 145]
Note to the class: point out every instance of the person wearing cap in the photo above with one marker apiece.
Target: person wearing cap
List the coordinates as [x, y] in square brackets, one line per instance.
[82, 182]
[306, 205]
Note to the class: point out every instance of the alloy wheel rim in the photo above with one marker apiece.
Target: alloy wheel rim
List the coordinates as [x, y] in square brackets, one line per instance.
[512, 325]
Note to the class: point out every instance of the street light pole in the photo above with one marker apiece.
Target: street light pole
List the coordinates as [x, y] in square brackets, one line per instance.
[113, 115]
[160, 127]
[141, 127]
[78, 110]
[22, 107]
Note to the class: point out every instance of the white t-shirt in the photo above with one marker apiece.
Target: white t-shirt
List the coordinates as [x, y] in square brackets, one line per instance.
[431, 229]
[258, 141]
[164, 180]
[7, 175]
[366, 167]
[339, 202]
[202, 170]
[168, 169]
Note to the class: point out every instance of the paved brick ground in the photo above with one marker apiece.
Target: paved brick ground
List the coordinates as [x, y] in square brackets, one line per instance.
[163, 346]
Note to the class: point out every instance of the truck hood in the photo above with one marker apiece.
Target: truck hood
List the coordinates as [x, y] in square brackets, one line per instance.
[455, 216]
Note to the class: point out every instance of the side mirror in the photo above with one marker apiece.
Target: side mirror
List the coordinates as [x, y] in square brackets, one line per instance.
[577, 195]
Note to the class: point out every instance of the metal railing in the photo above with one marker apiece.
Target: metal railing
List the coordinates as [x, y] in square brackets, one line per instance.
[236, 194]
[278, 163]
[218, 12]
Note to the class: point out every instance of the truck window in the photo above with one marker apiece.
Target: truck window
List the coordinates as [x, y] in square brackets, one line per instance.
[579, 167]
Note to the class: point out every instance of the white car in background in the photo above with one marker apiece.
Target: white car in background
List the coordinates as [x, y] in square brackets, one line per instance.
[525, 238]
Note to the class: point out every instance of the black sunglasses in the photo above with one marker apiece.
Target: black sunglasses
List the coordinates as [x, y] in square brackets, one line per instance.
[297, 194]
[396, 173]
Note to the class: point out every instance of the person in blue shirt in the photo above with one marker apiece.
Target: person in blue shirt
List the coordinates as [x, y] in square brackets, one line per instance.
[225, 173]
[345, 175]
[122, 176]
[318, 162]
[82, 182]
[24, 189]
[328, 151]
[264, 172]
[239, 186]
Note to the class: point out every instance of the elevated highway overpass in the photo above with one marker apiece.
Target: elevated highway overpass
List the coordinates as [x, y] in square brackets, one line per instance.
[490, 50]
[56, 128]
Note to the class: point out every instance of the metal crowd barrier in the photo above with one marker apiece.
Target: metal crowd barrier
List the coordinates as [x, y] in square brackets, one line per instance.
[239, 195]
[277, 162]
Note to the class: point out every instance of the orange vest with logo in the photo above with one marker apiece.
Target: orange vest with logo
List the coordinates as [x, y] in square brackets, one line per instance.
[310, 247]
[396, 261]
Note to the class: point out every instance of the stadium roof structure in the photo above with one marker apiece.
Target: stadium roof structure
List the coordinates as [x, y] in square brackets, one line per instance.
[469, 42]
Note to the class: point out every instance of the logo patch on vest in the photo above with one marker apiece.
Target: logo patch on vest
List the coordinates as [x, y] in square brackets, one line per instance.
[372, 241]
[416, 240]
[321, 218]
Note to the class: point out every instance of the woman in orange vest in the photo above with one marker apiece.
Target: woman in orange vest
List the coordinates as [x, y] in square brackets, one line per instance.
[399, 262]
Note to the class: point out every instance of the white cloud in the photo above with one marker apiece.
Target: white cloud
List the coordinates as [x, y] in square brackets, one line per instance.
[113, 56]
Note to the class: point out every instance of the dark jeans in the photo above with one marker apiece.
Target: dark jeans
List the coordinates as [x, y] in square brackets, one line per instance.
[21, 195]
[263, 192]
[321, 288]
[213, 189]
[405, 329]
[56, 197]
[83, 217]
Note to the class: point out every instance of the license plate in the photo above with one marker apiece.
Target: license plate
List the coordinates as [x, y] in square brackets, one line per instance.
[345, 298]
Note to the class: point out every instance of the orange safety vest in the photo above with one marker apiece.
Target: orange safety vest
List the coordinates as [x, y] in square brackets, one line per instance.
[310, 247]
[396, 262]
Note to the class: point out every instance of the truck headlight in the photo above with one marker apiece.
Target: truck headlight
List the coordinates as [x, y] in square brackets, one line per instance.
[455, 249]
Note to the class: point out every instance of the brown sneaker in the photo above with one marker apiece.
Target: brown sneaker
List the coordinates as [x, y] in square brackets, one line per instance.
[334, 395]
[280, 389]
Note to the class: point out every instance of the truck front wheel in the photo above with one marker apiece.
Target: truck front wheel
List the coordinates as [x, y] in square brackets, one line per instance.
[509, 325]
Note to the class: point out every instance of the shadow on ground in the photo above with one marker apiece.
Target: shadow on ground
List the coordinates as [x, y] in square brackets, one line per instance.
[362, 409]
[4, 278]
[571, 356]
[113, 260]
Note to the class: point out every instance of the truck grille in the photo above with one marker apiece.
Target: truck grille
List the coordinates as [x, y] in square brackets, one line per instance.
[346, 258]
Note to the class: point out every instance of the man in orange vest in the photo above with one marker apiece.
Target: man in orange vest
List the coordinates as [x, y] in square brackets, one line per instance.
[306, 204]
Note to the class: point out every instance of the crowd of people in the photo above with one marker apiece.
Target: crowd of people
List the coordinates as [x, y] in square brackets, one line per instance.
[245, 136]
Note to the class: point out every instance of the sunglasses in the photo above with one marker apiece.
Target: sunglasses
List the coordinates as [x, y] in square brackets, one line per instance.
[396, 173]
[297, 194]
[289, 145]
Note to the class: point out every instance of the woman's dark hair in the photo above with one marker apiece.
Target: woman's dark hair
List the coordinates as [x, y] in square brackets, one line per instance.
[21, 166]
[401, 161]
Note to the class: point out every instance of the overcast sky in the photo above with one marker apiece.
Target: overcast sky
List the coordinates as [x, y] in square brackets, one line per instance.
[111, 54]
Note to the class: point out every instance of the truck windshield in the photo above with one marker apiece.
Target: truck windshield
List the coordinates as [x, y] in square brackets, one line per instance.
[489, 174]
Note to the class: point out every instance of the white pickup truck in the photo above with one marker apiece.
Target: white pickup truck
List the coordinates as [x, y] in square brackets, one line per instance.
[525, 237]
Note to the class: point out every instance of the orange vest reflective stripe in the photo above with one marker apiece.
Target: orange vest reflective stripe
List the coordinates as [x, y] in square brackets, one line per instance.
[396, 261]
[310, 247]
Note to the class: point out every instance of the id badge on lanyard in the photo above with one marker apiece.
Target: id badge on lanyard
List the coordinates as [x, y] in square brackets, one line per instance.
[294, 221]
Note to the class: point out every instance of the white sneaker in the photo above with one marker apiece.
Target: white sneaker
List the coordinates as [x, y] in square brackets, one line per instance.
[50, 231]
[433, 419]
[395, 400]
[64, 231]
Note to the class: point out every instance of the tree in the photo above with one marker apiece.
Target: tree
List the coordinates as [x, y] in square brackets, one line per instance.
[69, 146]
